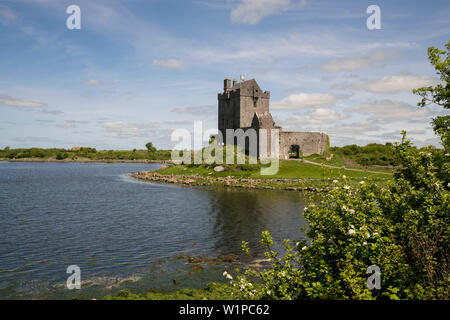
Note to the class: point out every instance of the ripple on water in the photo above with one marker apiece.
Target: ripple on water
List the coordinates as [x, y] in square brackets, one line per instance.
[94, 215]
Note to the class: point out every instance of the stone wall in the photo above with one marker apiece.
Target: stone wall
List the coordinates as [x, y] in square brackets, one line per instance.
[309, 142]
[244, 105]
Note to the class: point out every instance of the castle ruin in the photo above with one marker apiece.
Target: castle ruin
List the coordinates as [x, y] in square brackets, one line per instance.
[243, 105]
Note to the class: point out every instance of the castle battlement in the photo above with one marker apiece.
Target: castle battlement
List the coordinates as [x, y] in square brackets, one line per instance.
[243, 105]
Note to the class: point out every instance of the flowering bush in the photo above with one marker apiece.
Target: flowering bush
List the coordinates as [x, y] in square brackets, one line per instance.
[401, 227]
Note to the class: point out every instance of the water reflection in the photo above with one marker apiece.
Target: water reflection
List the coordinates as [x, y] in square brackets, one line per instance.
[244, 214]
[57, 214]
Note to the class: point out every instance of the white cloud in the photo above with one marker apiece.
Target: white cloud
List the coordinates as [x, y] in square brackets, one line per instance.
[252, 11]
[120, 129]
[66, 125]
[197, 110]
[169, 64]
[358, 62]
[92, 82]
[51, 112]
[392, 84]
[305, 100]
[317, 116]
[384, 110]
[396, 134]
[126, 127]
[254, 49]
[360, 127]
[6, 15]
[14, 102]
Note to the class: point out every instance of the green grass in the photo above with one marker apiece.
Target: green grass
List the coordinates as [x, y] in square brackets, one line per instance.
[213, 291]
[340, 160]
[290, 169]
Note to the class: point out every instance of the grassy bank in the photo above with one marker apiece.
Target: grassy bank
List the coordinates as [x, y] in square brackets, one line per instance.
[292, 175]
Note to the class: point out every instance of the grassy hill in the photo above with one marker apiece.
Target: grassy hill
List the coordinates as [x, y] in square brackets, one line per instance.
[371, 155]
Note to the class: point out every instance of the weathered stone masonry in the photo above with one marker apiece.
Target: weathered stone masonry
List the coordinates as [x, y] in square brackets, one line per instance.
[243, 105]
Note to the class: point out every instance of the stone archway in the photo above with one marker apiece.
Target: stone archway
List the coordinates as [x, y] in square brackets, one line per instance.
[294, 151]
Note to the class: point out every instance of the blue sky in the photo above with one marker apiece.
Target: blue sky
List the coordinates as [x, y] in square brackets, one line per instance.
[136, 69]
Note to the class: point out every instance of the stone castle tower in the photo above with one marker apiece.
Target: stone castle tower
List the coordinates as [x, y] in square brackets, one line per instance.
[243, 105]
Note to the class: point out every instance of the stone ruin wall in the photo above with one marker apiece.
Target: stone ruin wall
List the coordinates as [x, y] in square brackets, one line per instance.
[309, 142]
[238, 105]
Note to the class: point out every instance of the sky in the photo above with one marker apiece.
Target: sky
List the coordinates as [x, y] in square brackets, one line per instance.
[138, 69]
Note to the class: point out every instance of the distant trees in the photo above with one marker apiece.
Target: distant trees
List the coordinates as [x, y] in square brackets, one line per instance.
[85, 153]
[150, 147]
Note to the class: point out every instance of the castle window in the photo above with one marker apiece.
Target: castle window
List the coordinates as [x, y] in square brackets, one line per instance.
[254, 102]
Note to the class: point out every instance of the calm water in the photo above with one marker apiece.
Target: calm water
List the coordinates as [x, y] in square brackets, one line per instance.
[121, 232]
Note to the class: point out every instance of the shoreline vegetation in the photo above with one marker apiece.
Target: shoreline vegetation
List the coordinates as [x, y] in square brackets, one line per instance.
[293, 175]
[318, 173]
[86, 160]
[85, 154]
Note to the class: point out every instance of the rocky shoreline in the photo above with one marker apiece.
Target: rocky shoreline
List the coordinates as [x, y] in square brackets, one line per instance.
[86, 160]
[246, 183]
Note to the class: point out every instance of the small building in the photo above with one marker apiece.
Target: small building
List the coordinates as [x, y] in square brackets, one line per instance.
[243, 105]
[77, 148]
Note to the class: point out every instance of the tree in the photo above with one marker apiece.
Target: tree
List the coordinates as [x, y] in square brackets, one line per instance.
[61, 155]
[401, 227]
[439, 94]
[150, 147]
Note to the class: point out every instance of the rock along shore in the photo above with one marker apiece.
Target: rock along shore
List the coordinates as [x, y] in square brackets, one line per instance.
[86, 160]
[249, 183]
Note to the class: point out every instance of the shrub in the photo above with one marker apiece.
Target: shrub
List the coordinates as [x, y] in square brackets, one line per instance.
[401, 227]
[61, 155]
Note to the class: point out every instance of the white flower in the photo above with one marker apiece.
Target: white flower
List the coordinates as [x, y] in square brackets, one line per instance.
[344, 208]
[305, 208]
[344, 176]
[297, 244]
[335, 181]
[269, 292]
[367, 235]
[304, 248]
[365, 243]
[346, 187]
[351, 211]
[448, 184]
[227, 275]
[361, 182]
[351, 231]
[375, 234]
